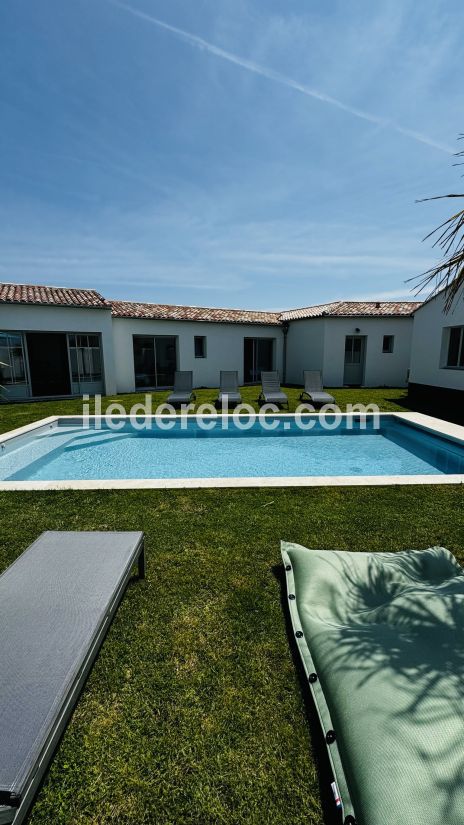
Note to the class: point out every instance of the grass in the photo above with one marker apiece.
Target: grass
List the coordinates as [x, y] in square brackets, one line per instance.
[17, 415]
[193, 712]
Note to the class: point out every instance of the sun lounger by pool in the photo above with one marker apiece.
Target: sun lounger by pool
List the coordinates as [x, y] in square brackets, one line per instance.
[56, 604]
[381, 638]
[183, 388]
[228, 388]
[313, 388]
[271, 392]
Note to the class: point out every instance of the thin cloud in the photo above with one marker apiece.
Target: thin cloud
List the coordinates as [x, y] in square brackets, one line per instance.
[283, 80]
[277, 259]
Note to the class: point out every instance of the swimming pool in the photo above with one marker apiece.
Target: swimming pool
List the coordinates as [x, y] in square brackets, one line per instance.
[62, 452]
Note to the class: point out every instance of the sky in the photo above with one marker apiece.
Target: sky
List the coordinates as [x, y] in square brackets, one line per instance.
[263, 154]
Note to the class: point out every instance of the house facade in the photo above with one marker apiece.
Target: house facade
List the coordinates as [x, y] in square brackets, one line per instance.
[151, 341]
[55, 342]
[59, 342]
[437, 353]
[352, 343]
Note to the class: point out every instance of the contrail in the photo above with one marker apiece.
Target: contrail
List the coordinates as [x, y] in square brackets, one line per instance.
[277, 77]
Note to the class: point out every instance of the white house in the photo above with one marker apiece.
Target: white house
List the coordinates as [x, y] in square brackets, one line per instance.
[352, 342]
[62, 342]
[152, 340]
[55, 342]
[437, 353]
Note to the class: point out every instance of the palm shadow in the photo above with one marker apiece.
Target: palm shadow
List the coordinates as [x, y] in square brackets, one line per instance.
[397, 633]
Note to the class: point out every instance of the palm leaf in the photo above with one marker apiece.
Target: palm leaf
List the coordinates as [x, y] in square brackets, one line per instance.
[447, 274]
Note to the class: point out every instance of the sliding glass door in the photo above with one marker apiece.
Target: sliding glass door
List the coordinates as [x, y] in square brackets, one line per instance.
[258, 357]
[155, 360]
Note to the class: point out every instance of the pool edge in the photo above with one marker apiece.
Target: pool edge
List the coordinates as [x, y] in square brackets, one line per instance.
[428, 423]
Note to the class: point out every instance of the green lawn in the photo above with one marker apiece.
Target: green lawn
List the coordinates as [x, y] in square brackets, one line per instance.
[193, 712]
[16, 415]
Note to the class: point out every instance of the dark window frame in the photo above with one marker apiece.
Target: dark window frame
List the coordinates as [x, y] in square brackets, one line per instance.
[455, 348]
[388, 344]
[14, 349]
[198, 338]
[85, 357]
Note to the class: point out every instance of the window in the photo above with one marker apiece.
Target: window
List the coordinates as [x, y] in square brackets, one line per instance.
[200, 346]
[12, 361]
[258, 357]
[85, 357]
[155, 359]
[388, 341]
[455, 357]
[354, 349]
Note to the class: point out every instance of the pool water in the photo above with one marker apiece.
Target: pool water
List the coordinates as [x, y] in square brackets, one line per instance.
[77, 453]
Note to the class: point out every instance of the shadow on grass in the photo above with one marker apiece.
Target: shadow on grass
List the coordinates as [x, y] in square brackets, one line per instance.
[331, 815]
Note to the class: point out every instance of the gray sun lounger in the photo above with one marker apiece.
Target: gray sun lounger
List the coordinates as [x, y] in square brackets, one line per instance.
[56, 603]
[313, 388]
[271, 392]
[183, 388]
[228, 388]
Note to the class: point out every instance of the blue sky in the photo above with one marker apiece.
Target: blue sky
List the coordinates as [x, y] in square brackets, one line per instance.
[249, 153]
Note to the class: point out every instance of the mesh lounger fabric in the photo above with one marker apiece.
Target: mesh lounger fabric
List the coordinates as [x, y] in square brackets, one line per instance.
[228, 387]
[271, 391]
[383, 634]
[313, 387]
[183, 384]
[54, 600]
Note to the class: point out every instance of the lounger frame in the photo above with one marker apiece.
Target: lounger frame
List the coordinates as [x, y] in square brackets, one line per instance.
[9, 814]
[318, 696]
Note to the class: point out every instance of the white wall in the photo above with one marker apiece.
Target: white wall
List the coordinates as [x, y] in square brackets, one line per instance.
[429, 351]
[319, 343]
[33, 318]
[381, 369]
[305, 348]
[224, 347]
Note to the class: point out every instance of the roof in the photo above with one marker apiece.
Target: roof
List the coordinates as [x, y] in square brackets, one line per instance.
[69, 297]
[169, 312]
[51, 296]
[345, 309]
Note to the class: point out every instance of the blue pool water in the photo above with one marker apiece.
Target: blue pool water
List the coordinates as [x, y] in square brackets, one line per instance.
[72, 452]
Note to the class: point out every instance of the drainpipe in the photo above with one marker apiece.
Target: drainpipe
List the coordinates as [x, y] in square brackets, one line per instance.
[285, 327]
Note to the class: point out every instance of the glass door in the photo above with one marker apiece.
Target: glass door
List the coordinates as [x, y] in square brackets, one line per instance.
[258, 357]
[165, 353]
[155, 360]
[355, 349]
[48, 363]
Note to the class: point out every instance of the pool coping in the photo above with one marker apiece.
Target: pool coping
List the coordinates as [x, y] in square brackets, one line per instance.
[438, 426]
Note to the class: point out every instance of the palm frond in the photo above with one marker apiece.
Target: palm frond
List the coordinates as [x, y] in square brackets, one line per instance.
[447, 274]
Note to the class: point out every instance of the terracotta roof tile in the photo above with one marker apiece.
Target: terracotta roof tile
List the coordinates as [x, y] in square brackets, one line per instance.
[316, 311]
[131, 309]
[344, 309]
[51, 296]
[67, 296]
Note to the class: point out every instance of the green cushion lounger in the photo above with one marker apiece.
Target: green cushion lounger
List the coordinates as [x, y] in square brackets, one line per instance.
[56, 603]
[381, 640]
